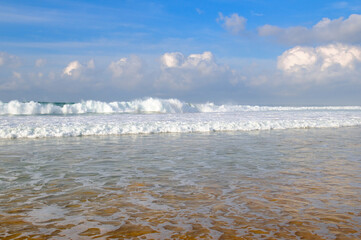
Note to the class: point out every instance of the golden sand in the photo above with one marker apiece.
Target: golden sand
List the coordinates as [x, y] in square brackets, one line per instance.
[266, 215]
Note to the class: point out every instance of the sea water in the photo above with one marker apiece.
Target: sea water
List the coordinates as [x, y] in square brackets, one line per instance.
[89, 118]
[158, 169]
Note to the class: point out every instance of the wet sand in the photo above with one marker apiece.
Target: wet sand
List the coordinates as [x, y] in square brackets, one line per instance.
[288, 184]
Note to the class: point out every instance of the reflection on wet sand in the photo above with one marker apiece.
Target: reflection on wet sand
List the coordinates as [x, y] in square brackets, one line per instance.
[302, 192]
[189, 214]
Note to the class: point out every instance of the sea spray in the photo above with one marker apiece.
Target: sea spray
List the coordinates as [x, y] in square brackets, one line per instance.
[71, 125]
[141, 106]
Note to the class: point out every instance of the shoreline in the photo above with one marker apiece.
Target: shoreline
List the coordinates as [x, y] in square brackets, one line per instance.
[267, 184]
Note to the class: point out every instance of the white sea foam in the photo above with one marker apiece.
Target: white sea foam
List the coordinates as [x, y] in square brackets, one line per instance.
[45, 214]
[148, 105]
[37, 120]
[40, 126]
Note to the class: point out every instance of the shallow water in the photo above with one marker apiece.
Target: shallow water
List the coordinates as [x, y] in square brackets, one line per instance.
[278, 184]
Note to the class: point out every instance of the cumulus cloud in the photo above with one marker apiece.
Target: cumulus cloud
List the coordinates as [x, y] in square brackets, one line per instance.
[325, 31]
[127, 72]
[323, 57]
[199, 76]
[76, 70]
[323, 70]
[72, 68]
[201, 61]
[172, 74]
[180, 72]
[297, 58]
[234, 23]
[333, 62]
[170, 60]
[10, 76]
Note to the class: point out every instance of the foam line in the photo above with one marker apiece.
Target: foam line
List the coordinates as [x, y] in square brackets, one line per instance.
[41, 126]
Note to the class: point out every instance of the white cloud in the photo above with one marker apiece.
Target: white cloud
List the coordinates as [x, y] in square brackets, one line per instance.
[174, 59]
[127, 72]
[322, 58]
[342, 55]
[9, 60]
[9, 78]
[303, 70]
[71, 68]
[17, 75]
[234, 23]
[297, 58]
[117, 67]
[91, 64]
[269, 30]
[183, 73]
[12, 80]
[299, 70]
[197, 61]
[76, 70]
[40, 62]
[325, 31]
[323, 64]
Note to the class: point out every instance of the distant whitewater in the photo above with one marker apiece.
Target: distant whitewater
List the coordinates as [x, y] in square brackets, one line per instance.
[149, 105]
[151, 115]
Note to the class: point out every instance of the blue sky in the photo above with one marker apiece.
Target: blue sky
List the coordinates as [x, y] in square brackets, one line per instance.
[248, 52]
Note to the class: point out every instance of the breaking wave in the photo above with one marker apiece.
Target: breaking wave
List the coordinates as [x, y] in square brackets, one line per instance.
[86, 118]
[148, 105]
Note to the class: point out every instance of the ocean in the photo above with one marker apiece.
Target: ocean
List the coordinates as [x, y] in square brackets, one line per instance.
[166, 169]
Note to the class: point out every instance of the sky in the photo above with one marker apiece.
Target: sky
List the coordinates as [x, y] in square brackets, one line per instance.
[245, 52]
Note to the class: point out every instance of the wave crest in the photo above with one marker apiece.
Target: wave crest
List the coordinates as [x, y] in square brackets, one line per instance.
[139, 106]
[149, 105]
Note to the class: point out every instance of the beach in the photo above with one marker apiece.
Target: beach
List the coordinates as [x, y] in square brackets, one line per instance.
[268, 184]
[180, 120]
